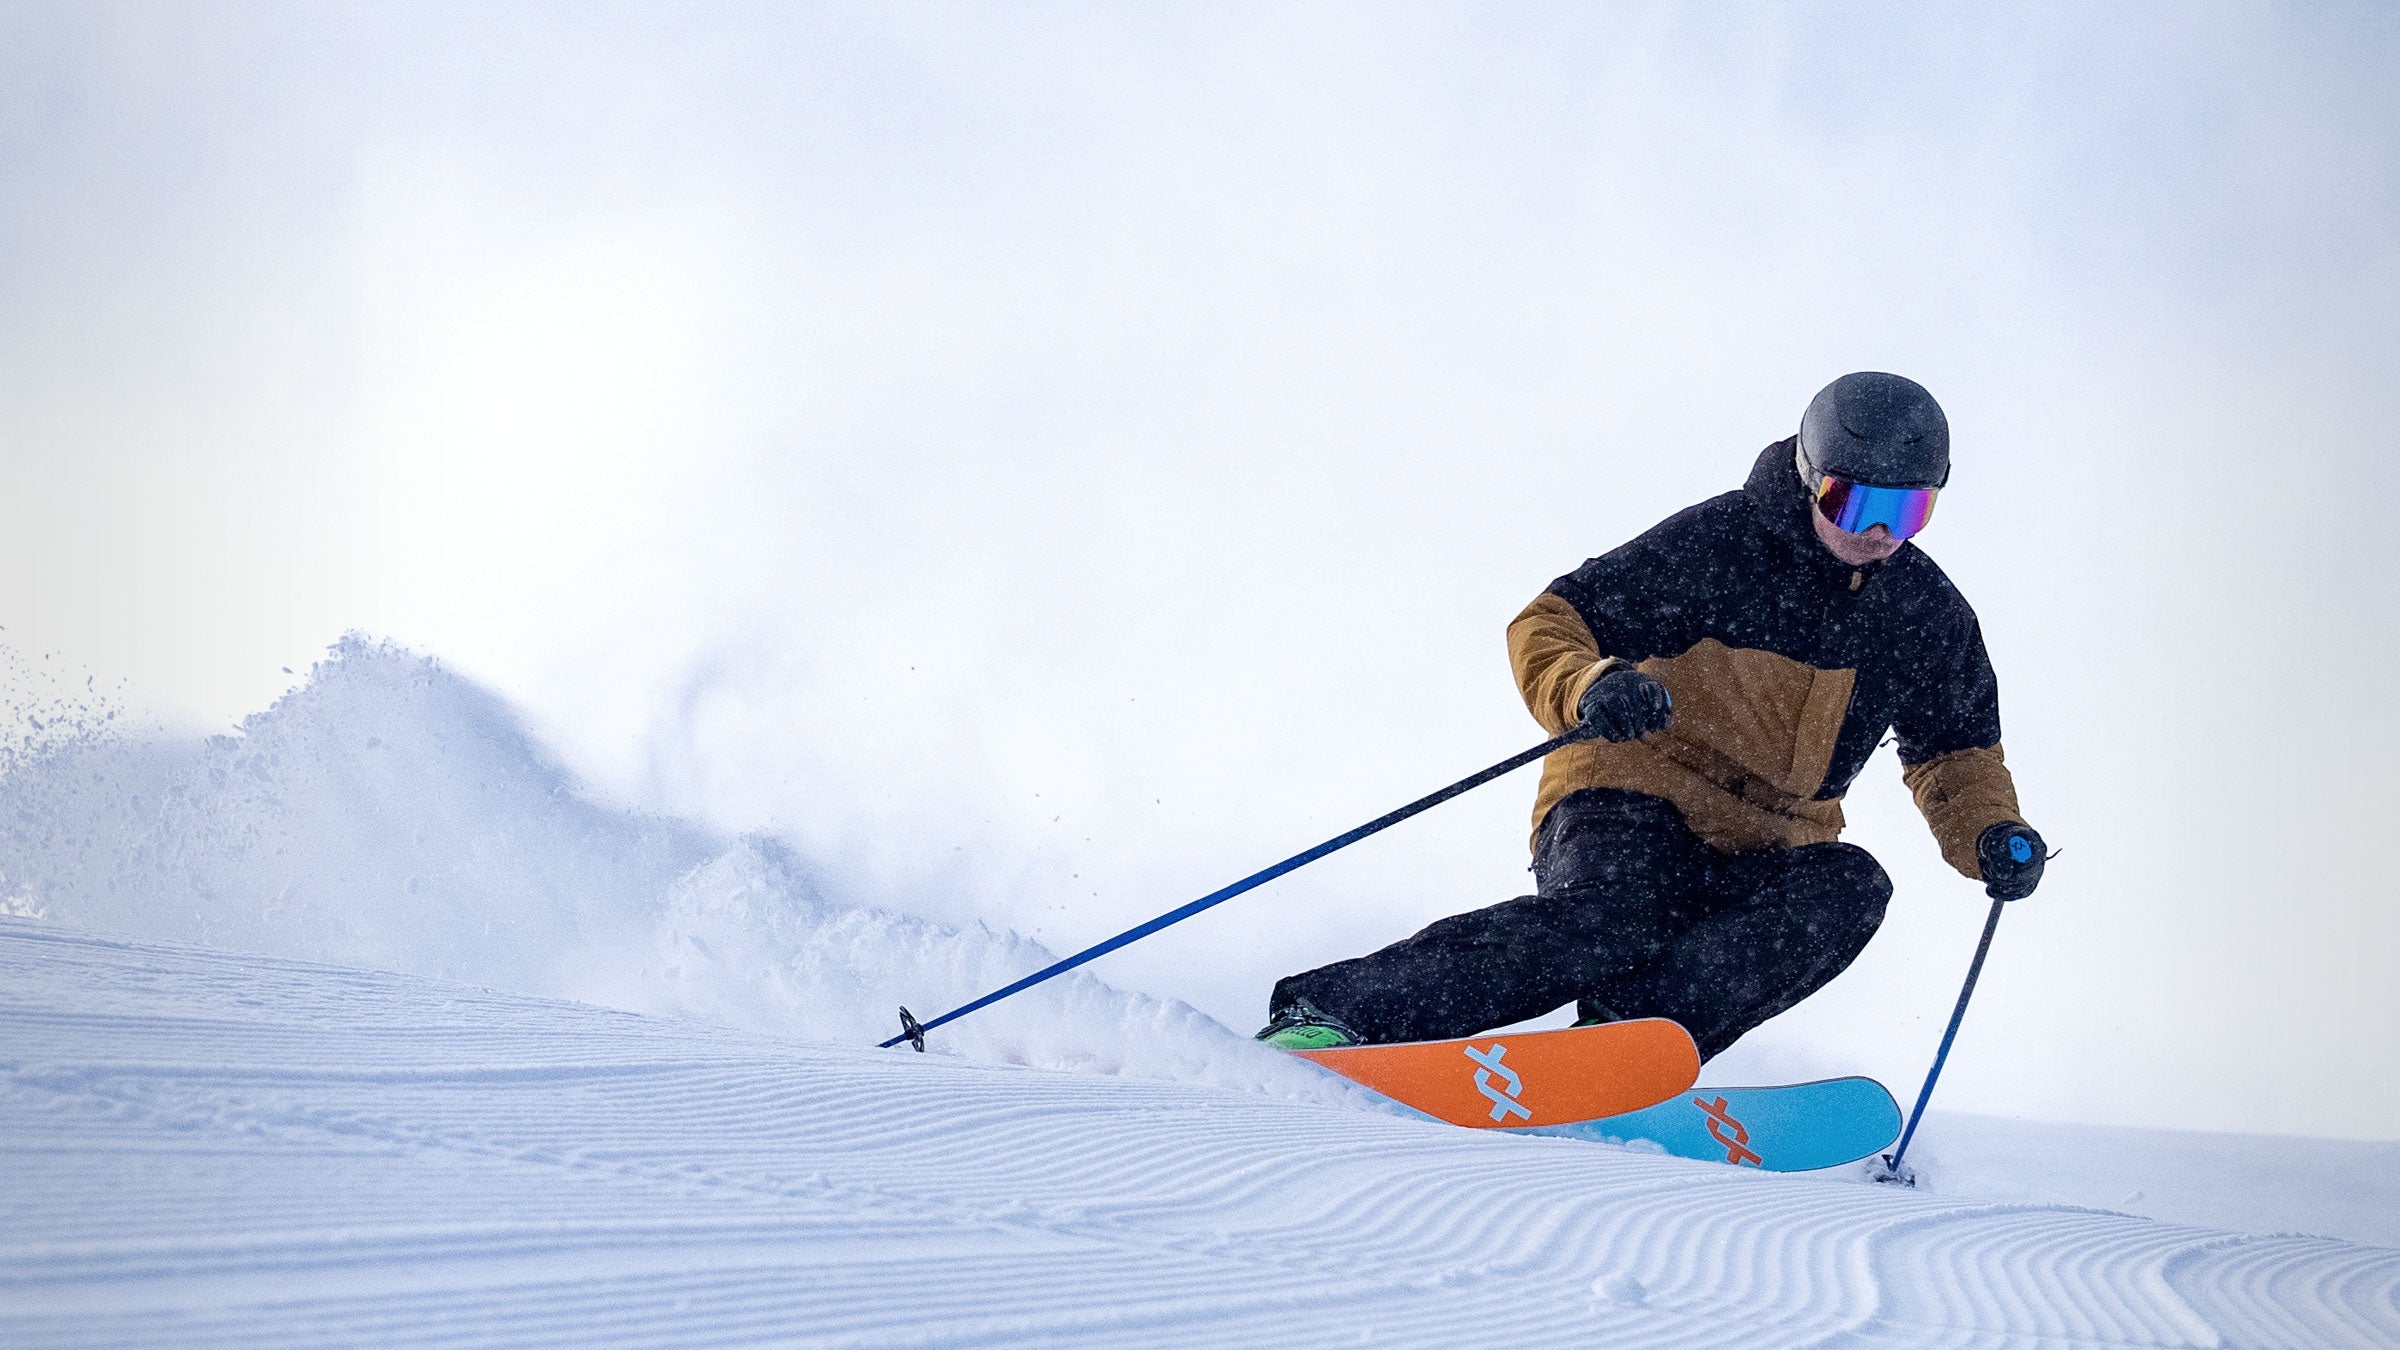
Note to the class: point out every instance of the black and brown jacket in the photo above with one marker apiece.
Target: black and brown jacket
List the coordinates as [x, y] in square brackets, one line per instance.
[1786, 666]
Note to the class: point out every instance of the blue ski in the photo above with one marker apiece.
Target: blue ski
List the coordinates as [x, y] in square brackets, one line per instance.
[1797, 1127]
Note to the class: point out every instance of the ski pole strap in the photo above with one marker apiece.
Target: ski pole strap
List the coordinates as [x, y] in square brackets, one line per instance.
[1974, 970]
[913, 1031]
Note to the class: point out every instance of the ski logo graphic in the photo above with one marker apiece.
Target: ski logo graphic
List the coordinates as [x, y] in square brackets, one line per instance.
[1723, 1128]
[1504, 1097]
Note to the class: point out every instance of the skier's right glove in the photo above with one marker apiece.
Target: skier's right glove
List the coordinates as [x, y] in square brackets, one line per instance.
[1623, 705]
[2011, 856]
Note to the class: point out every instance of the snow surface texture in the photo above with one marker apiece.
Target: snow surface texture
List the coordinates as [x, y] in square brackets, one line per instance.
[391, 815]
[214, 1150]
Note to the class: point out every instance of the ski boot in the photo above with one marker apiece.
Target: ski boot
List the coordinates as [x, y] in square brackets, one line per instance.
[1590, 1014]
[1299, 1026]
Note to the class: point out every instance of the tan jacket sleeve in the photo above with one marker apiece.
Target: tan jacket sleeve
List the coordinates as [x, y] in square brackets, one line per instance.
[1555, 659]
[1961, 795]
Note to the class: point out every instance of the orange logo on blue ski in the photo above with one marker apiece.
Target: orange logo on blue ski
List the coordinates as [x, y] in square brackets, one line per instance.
[1488, 1063]
[1727, 1131]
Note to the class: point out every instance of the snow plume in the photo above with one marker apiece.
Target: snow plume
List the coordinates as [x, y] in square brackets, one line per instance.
[391, 814]
[386, 814]
[45, 709]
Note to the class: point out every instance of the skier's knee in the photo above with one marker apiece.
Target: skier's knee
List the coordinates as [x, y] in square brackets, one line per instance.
[1849, 879]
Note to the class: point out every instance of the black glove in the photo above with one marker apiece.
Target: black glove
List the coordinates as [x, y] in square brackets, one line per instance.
[1623, 705]
[2011, 856]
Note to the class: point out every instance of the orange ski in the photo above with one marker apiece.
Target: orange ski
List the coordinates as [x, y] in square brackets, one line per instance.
[1527, 1077]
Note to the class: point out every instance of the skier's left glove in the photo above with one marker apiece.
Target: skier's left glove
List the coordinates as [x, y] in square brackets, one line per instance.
[1623, 705]
[2011, 856]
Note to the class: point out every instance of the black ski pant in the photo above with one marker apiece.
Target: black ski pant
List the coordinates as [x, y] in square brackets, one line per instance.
[1632, 916]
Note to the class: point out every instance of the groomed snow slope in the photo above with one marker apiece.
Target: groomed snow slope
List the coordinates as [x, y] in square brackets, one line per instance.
[207, 1149]
[389, 814]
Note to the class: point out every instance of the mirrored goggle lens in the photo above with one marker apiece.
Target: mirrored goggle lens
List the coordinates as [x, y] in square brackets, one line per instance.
[1855, 508]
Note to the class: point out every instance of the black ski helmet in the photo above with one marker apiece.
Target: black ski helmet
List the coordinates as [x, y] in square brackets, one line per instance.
[1874, 428]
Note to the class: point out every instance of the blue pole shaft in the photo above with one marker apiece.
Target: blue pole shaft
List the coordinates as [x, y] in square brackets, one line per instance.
[1255, 879]
[1957, 1014]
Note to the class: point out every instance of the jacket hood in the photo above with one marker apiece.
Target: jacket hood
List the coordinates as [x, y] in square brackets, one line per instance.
[1774, 487]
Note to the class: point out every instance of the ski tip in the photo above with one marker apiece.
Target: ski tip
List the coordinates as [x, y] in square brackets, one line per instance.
[911, 1031]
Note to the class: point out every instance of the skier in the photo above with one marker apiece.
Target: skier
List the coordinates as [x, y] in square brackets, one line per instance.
[1733, 669]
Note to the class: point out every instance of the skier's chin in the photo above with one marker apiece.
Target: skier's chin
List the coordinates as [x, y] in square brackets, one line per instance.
[1857, 550]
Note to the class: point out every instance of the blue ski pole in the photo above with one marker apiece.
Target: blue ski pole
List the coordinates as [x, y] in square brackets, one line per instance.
[913, 1031]
[1892, 1171]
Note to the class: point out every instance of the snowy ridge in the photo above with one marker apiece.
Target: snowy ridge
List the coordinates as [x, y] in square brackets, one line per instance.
[216, 1150]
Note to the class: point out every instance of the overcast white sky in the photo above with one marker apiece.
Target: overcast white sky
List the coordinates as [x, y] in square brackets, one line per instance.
[1049, 461]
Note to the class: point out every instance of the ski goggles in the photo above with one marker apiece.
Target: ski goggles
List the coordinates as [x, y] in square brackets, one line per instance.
[1855, 508]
